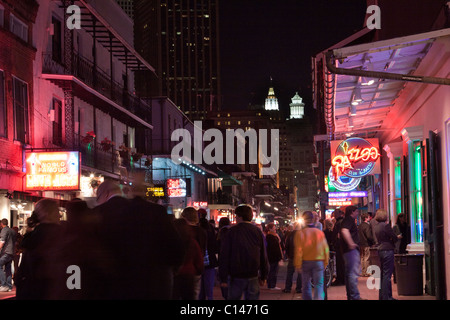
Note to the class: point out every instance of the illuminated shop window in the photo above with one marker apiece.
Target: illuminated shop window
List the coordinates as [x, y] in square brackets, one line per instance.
[416, 192]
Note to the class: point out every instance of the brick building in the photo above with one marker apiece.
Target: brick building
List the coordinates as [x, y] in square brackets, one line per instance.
[17, 54]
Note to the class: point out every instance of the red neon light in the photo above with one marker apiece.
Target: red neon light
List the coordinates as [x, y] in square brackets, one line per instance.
[344, 162]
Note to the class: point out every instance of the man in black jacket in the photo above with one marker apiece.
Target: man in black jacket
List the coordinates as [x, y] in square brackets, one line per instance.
[142, 243]
[243, 265]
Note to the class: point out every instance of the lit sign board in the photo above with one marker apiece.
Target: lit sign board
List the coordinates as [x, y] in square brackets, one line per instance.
[339, 202]
[355, 157]
[200, 204]
[53, 171]
[176, 188]
[348, 194]
[155, 192]
[342, 183]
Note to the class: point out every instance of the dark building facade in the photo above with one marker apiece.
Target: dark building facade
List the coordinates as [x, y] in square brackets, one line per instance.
[179, 38]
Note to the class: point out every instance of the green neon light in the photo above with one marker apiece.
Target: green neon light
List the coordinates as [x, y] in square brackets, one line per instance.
[418, 199]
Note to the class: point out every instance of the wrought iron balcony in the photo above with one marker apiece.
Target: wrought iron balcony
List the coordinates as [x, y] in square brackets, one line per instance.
[100, 81]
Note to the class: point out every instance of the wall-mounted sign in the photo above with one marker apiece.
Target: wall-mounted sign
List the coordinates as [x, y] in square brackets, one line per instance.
[348, 194]
[176, 188]
[339, 202]
[156, 191]
[341, 183]
[53, 171]
[200, 204]
[355, 157]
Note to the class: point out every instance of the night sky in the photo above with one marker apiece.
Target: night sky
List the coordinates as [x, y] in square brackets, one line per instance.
[260, 39]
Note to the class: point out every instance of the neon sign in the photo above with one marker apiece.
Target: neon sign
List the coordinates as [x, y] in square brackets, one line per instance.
[52, 171]
[200, 204]
[348, 194]
[176, 188]
[156, 191]
[339, 202]
[355, 157]
[342, 183]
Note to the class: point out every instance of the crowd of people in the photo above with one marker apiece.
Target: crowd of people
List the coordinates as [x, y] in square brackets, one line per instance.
[132, 249]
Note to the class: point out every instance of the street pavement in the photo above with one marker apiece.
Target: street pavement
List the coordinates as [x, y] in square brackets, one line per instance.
[333, 292]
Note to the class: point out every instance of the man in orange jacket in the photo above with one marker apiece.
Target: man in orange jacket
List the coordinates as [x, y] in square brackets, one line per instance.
[311, 256]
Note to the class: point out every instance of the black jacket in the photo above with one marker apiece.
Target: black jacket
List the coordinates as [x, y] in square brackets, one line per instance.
[385, 236]
[243, 253]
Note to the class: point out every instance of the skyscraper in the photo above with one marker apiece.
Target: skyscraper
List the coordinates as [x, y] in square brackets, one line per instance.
[181, 39]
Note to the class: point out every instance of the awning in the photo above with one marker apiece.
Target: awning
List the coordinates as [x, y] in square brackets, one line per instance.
[228, 180]
[361, 103]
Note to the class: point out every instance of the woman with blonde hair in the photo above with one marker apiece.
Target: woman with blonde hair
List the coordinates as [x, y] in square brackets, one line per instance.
[386, 239]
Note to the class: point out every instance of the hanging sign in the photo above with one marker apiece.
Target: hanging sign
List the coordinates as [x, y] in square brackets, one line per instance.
[355, 157]
[342, 183]
[176, 188]
[53, 171]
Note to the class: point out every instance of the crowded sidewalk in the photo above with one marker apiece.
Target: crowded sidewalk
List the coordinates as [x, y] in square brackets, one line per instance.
[333, 292]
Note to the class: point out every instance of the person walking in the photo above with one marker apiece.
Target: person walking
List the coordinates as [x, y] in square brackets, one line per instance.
[186, 280]
[290, 269]
[336, 240]
[274, 255]
[210, 261]
[366, 241]
[402, 231]
[40, 274]
[243, 264]
[224, 227]
[311, 256]
[7, 246]
[190, 214]
[386, 240]
[350, 249]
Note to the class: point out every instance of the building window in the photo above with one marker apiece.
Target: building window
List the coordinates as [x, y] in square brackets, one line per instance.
[57, 122]
[20, 103]
[57, 40]
[2, 16]
[3, 115]
[19, 28]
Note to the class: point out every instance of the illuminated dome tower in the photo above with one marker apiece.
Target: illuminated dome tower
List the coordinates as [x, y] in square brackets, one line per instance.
[297, 107]
[271, 101]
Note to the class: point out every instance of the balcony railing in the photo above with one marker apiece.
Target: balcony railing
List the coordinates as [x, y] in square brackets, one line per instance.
[100, 81]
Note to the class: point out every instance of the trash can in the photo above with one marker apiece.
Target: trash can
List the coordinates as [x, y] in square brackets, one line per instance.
[409, 273]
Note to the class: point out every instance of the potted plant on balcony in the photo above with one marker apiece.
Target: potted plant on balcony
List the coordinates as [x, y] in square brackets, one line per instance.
[106, 144]
[148, 162]
[124, 151]
[88, 138]
[136, 156]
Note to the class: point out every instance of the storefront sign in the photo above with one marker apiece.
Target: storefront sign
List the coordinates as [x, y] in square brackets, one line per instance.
[157, 192]
[176, 188]
[53, 171]
[355, 157]
[339, 202]
[342, 183]
[348, 194]
[200, 204]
